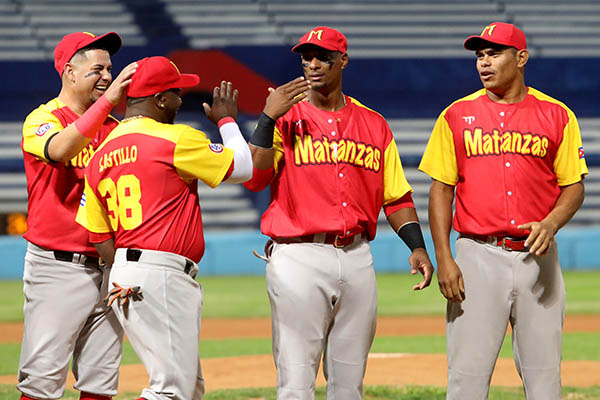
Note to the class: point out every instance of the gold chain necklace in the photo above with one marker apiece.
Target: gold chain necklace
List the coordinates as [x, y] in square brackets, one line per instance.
[132, 118]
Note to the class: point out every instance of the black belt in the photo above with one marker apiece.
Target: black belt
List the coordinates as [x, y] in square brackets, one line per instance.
[70, 256]
[135, 254]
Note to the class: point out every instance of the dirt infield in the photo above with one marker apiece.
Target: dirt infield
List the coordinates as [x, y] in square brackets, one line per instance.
[382, 369]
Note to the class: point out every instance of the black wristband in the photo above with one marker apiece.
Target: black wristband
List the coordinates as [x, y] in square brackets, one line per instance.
[411, 234]
[263, 134]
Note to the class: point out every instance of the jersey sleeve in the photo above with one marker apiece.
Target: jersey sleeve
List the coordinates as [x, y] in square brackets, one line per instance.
[569, 164]
[278, 148]
[38, 128]
[439, 159]
[91, 213]
[395, 185]
[195, 157]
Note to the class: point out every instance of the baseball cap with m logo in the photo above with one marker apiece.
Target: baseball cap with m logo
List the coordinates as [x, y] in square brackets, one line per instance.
[498, 33]
[325, 37]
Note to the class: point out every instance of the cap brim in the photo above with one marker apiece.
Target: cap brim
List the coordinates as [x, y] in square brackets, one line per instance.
[110, 41]
[187, 81]
[476, 42]
[298, 48]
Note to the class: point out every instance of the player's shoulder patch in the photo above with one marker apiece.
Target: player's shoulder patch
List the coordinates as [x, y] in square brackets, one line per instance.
[216, 147]
[43, 128]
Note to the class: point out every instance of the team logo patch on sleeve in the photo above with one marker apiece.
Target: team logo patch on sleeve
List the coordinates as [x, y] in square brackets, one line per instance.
[581, 153]
[216, 147]
[43, 128]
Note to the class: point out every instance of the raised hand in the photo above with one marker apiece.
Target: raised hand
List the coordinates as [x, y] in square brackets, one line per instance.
[224, 103]
[280, 100]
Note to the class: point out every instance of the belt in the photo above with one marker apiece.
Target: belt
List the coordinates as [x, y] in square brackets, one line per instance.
[507, 243]
[325, 238]
[135, 254]
[77, 258]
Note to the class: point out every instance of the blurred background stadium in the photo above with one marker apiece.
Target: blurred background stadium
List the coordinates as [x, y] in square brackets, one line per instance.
[406, 62]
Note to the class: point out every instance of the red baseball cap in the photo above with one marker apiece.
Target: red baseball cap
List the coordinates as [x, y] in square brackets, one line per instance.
[325, 37]
[499, 33]
[157, 74]
[71, 43]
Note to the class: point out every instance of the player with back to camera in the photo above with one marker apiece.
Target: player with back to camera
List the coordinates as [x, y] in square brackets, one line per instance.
[141, 198]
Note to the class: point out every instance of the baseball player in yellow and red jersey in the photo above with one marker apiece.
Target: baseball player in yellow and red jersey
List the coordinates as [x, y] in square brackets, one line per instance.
[142, 188]
[332, 164]
[515, 159]
[59, 138]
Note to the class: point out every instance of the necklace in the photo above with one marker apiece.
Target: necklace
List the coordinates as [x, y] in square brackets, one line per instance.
[132, 118]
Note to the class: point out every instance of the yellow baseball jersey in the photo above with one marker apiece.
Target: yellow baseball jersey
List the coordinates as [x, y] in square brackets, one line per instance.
[55, 188]
[507, 161]
[142, 185]
[333, 172]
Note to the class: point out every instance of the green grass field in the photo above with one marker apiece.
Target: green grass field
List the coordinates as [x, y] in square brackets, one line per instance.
[245, 297]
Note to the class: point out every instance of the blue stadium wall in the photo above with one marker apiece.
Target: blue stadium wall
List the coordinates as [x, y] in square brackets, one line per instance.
[231, 253]
[397, 88]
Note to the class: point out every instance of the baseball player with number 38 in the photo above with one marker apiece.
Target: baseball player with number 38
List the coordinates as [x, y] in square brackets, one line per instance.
[141, 198]
[515, 159]
[332, 164]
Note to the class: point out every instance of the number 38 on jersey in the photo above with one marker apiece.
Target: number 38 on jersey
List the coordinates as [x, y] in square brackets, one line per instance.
[122, 201]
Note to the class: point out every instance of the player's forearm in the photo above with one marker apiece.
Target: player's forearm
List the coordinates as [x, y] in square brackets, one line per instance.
[441, 197]
[568, 202]
[66, 144]
[106, 250]
[233, 139]
[261, 142]
[70, 141]
[262, 158]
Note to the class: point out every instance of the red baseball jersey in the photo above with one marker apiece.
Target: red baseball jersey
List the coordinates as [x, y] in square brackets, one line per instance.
[333, 171]
[55, 188]
[142, 185]
[507, 161]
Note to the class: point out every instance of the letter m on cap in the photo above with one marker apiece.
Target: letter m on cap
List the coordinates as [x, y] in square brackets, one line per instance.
[489, 29]
[316, 33]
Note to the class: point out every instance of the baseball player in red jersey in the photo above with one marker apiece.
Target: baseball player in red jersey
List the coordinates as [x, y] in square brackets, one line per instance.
[515, 159]
[142, 187]
[63, 277]
[332, 164]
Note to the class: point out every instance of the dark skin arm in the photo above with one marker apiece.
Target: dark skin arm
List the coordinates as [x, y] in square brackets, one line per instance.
[278, 103]
[542, 232]
[450, 277]
[419, 259]
[106, 250]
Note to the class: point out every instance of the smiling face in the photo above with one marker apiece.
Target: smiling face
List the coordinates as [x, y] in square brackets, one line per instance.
[90, 74]
[323, 68]
[500, 67]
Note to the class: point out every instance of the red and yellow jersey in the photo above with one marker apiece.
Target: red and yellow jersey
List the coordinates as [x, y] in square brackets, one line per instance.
[333, 171]
[55, 188]
[142, 185]
[507, 161]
